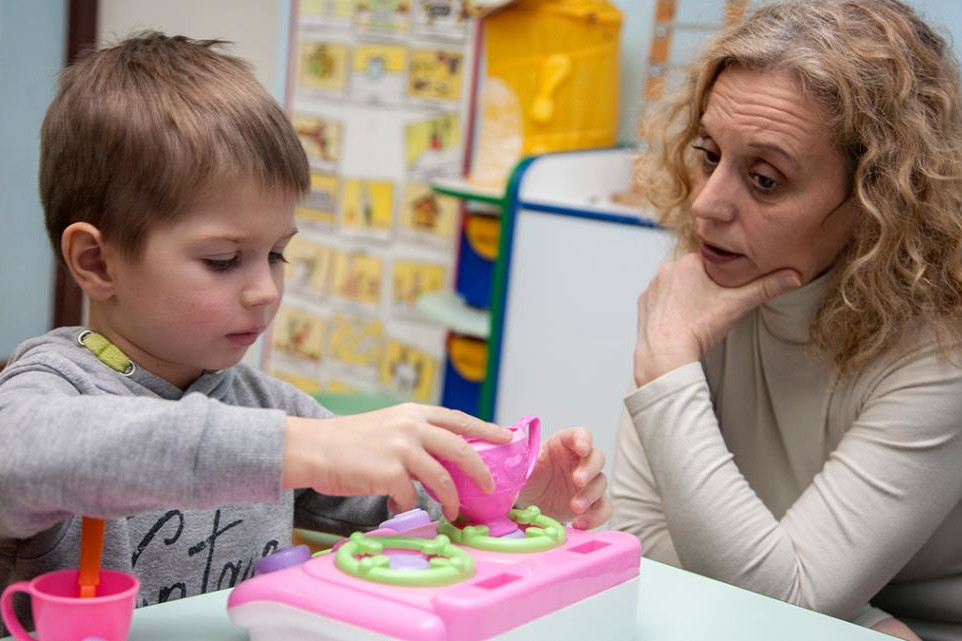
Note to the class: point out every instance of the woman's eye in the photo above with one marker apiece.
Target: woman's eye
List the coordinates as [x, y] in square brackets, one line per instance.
[221, 264]
[709, 157]
[276, 257]
[763, 182]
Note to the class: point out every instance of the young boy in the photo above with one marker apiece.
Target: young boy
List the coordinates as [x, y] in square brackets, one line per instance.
[169, 179]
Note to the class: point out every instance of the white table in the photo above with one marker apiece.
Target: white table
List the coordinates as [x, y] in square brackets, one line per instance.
[673, 605]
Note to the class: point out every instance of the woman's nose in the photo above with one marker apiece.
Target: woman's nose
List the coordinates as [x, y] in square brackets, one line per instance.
[715, 197]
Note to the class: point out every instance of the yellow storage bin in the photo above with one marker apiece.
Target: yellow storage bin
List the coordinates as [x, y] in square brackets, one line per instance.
[464, 373]
[551, 83]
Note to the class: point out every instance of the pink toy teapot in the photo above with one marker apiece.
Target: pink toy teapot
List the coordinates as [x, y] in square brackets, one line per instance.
[511, 465]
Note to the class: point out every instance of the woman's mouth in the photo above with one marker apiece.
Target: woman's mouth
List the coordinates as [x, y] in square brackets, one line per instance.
[714, 254]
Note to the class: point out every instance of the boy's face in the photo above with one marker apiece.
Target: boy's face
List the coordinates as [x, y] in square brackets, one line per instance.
[204, 287]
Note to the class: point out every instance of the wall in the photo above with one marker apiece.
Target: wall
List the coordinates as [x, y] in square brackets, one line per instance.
[31, 53]
[258, 28]
[32, 45]
[943, 15]
[636, 34]
[31, 50]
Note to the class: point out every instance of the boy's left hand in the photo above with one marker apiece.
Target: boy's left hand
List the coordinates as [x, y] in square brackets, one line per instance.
[567, 481]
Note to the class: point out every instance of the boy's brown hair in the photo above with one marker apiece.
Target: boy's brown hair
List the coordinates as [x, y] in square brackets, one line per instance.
[140, 129]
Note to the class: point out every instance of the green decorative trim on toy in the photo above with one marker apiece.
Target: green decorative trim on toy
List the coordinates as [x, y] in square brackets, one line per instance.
[543, 533]
[447, 563]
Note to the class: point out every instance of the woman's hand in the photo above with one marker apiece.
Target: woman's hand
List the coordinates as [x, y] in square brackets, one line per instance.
[896, 628]
[683, 313]
[567, 481]
[382, 452]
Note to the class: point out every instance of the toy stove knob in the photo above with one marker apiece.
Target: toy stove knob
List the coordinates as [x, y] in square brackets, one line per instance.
[406, 521]
[282, 558]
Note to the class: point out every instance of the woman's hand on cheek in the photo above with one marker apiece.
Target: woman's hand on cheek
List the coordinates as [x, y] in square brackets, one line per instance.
[683, 313]
[567, 482]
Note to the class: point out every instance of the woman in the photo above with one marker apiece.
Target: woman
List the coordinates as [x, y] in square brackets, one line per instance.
[797, 427]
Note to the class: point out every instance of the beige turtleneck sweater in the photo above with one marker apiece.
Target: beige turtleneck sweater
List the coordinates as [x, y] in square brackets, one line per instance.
[760, 466]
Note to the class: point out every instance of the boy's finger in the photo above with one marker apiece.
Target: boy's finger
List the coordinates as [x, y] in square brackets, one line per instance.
[433, 476]
[402, 497]
[462, 423]
[456, 450]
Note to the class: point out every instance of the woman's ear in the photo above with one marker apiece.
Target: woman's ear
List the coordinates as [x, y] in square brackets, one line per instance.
[85, 255]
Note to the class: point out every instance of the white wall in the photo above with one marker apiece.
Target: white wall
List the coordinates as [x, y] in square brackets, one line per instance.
[258, 28]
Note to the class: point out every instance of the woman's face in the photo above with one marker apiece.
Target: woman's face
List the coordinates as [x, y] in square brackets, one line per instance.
[770, 191]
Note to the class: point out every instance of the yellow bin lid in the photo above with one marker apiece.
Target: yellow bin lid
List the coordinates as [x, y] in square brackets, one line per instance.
[600, 11]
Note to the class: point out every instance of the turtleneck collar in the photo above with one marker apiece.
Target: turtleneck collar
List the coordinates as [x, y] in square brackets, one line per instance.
[789, 316]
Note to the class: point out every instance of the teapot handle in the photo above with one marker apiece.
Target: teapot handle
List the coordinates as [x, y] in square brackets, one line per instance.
[533, 424]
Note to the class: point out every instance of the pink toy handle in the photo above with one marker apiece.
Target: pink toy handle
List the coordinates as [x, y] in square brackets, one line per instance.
[9, 616]
[533, 424]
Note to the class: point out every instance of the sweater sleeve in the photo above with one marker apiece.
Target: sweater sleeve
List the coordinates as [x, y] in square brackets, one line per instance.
[636, 502]
[881, 494]
[112, 456]
[334, 514]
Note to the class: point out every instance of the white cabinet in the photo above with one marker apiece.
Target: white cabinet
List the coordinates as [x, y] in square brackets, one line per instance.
[564, 302]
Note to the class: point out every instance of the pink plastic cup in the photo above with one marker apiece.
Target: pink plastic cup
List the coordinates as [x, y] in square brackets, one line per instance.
[59, 613]
[510, 464]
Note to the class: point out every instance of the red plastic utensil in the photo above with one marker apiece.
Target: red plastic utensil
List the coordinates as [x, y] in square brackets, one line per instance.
[91, 548]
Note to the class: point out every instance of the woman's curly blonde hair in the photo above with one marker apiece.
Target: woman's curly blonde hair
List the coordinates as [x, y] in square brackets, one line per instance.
[890, 87]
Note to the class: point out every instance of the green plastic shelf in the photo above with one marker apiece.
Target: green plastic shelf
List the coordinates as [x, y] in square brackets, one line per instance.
[461, 188]
[450, 310]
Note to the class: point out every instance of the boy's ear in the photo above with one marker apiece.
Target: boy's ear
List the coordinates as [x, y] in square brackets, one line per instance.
[85, 254]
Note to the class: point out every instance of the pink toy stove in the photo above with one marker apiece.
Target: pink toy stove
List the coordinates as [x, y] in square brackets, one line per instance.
[419, 580]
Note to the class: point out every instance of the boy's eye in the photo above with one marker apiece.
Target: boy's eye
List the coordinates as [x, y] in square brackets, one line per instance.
[221, 265]
[276, 257]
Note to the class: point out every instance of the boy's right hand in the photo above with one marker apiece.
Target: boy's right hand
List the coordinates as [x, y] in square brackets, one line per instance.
[381, 452]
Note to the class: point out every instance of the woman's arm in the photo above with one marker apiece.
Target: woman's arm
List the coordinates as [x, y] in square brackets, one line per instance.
[635, 499]
[881, 494]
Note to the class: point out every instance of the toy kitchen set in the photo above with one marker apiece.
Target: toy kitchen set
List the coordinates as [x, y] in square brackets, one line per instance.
[495, 573]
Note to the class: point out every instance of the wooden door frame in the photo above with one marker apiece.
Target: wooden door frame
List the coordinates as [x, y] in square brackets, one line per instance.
[81, 35]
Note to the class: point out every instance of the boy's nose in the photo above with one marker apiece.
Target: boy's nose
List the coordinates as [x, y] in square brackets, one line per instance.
[716, 200]
[261, 290]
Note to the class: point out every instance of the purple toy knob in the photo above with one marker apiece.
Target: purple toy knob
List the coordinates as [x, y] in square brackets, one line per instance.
[406, 521]
[283, 558]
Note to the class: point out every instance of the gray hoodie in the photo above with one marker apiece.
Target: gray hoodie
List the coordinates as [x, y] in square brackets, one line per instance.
[188, 480]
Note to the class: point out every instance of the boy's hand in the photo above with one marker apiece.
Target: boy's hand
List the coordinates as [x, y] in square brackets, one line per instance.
[380, 453]
[568, 482]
